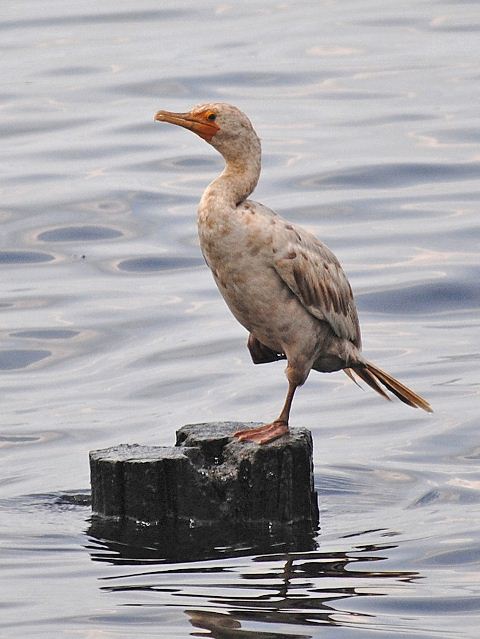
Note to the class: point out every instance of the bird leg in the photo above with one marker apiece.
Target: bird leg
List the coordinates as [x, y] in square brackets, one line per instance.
[269, 432]
[260, 353]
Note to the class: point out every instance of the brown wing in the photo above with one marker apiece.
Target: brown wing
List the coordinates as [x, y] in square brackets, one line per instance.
[314, 274]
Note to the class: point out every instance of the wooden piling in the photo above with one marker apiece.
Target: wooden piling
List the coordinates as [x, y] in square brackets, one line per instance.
[208, 477]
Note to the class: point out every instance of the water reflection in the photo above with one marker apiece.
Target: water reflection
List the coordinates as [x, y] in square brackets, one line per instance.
[109, 17]
[79, 233]
[124, 542]
[46, 333]
[237, 590]
[428, 298]
[154, 263]
[17, 358]
[226, 626]
[391, 175]
[24, 257]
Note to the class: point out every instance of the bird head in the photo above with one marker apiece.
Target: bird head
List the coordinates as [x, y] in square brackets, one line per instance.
[222, 125]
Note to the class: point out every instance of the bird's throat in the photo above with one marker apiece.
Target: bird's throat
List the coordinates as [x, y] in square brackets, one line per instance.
[233, 186]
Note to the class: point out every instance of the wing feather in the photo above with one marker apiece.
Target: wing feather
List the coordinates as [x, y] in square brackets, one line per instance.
[315, 276]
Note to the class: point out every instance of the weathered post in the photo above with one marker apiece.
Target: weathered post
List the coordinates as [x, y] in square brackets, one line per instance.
[208, 477]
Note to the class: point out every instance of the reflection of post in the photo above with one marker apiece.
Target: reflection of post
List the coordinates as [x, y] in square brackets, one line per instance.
[127, 542]
[292, 590]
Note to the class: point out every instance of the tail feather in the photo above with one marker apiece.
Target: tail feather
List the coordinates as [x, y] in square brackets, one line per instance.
[368, 378]
[371, 374]
[349, 373]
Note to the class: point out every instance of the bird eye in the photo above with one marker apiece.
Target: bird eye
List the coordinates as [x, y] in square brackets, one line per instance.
[211, 116]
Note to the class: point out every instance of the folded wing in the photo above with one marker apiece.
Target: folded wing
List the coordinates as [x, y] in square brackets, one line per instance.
[315, 276]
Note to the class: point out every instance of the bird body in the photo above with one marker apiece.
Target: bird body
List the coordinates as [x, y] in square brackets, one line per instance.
[280, 282]
[254, 267]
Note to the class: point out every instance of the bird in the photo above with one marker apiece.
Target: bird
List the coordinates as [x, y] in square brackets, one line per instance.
[286, 287]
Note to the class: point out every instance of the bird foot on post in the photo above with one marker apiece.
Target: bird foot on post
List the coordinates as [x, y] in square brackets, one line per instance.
[263, 434]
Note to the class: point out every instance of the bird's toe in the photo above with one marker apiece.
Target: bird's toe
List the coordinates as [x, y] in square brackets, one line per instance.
[264, 434]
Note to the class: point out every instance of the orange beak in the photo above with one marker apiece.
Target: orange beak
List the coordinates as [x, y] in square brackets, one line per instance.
[197, 123]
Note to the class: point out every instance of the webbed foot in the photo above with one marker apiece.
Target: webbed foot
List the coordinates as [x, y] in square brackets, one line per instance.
[263, 434]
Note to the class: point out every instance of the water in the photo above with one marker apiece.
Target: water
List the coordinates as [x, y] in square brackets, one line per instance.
[112, 330]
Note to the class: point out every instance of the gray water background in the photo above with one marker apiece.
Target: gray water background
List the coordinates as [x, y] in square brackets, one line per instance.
[112, 329]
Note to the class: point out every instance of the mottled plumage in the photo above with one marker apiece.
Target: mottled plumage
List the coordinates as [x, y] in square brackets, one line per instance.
[281, 283]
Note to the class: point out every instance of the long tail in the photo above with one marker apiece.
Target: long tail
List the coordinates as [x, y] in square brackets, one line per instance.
[372, 375]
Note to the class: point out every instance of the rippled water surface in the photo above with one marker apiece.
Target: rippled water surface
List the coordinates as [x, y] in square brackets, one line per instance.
[112, 330]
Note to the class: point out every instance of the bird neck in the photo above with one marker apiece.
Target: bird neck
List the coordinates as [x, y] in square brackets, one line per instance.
[234, 184]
